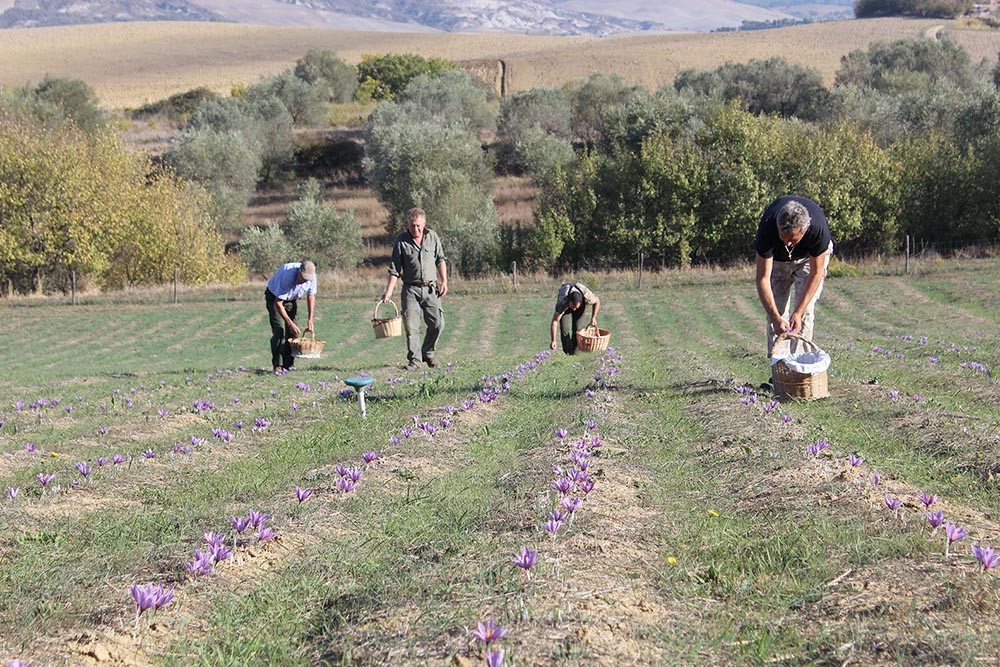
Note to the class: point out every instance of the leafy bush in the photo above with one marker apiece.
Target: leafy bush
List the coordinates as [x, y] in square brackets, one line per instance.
[452, 97]
[226, 163]
[263, 249]
[907, 64]
[332, 239]
[542, 155]
[56, 100]
[545, 108]
[323, 67]
[305, 102]
[382, 77]
[177, 107]
[76, 202]
[765, 86]
[924, 8]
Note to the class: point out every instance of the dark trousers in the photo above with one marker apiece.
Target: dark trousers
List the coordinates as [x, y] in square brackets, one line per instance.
[281, 351]
[569, 324]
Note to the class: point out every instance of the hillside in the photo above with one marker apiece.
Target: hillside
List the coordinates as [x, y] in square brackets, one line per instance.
[538, 17]
[166, 58]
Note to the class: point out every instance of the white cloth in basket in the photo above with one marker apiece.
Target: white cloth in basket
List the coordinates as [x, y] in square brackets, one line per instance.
[807, 363]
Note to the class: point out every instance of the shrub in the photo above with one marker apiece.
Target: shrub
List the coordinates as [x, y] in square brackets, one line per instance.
[177, 107]
[545, 108]
[56, 100]
[305, 102]
[263, 249]
[542, 155]
[907, 64]
[332, 239]
[324, 67]
[452, 97]
[382, 77]
[224, 162]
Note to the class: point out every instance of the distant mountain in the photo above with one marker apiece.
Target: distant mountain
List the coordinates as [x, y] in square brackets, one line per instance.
[35, 13]
[537, 17]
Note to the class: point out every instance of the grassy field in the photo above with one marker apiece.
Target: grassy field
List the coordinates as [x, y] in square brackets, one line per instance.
[166, 58]
[710, 535]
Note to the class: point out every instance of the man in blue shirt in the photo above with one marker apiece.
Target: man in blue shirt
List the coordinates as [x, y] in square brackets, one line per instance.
[288, 284]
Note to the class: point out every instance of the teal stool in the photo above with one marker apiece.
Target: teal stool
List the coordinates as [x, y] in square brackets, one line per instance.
[360, 383]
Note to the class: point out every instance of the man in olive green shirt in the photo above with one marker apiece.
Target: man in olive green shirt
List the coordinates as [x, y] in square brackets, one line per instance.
[418, 260]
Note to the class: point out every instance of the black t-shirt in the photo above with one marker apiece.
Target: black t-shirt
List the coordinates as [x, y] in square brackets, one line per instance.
[814, 243]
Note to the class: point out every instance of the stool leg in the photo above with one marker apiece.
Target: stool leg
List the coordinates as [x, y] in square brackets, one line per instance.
[361, 402]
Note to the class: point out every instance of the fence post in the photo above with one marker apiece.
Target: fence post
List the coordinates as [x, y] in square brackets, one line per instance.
[175, 284]
[73, 286]
[513, 268]
[640, 271]
[906, 262]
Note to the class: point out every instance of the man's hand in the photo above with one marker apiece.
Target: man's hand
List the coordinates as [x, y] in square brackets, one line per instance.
[295, 328]
[795, 325]
[780, 326]
[552, 346]
[442, 287]
[593, 322]
[386, 296]
[310, 327]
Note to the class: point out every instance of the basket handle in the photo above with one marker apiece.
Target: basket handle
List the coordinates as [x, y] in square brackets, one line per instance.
[807, 344]
[310, 331]
[379, 303]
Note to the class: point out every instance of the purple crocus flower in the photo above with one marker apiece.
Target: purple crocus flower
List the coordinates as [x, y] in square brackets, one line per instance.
[83, 468]
[855, 460]
[101, 461]
[261, 423]
[163, 412]
[591, 425]
[927, 499]
[935, 519]
[213, 539]
[894, 394]
[892, 503]
[257, 518]
[954, 534]
[552, 527]
[494, 657]
[986, 557]
[266, 534]
[144, 597]
[526, 559]
[563, 485]
[370, 456]
[45, 478]
[489, 632]
[29, 447]
[240, 523]
[202, 564]
[561, 433]
[117, 459]
[149, 454]
[345, 484]
[876, 479]
[570, 503]
[340, 469]
[302, 494]
[20, 663]
[354, 474]
[557, 515]
[221, 552]
[103, 430]
[586, 486]
[917, 398]
[12, 492]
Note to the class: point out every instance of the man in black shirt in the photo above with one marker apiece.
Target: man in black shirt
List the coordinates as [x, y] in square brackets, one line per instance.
[793, 248]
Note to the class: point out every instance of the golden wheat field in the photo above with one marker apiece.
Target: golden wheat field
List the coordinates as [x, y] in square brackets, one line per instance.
[132, 63]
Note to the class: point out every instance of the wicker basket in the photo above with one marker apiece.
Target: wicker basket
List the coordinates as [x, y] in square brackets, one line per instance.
[389, 327]
[792, 384]
[592, 339]
[307, 348]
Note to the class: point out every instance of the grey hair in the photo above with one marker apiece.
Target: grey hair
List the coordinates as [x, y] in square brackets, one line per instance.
[415, 213]
[793, 217]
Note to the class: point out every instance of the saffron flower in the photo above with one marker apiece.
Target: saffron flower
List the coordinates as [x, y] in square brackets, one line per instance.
[260, 423]
[771, 406]
[855, 460]
[570, 503]
[257, 518]
[354, 474]
[561, 433]
[526, 559]
[266, 534]
[345, 484]
[954, 534]
[394, 440]
[45, 478]
[83, 468]
[552, 527]
[149, 454]
[935, 519]
[29, 447]
[213, 539]
[240, 523]
[927, 499]
[302, 494]
[586, 486]
[986, 557]
[591, 425]
[12, 492]
[221, 552]
[786, 419]
[563, 485]
[370, 456]
[101, 461]
[489, 632]
[202, 564]
[892, 503]
[494, 657]
[117, 459]
[876, 479]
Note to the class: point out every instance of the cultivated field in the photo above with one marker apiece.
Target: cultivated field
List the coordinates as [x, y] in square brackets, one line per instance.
[702, 530]
[130, 64]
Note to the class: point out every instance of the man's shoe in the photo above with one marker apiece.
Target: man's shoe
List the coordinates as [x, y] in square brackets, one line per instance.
[430, 362]
[767, 386]
[413, 366]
